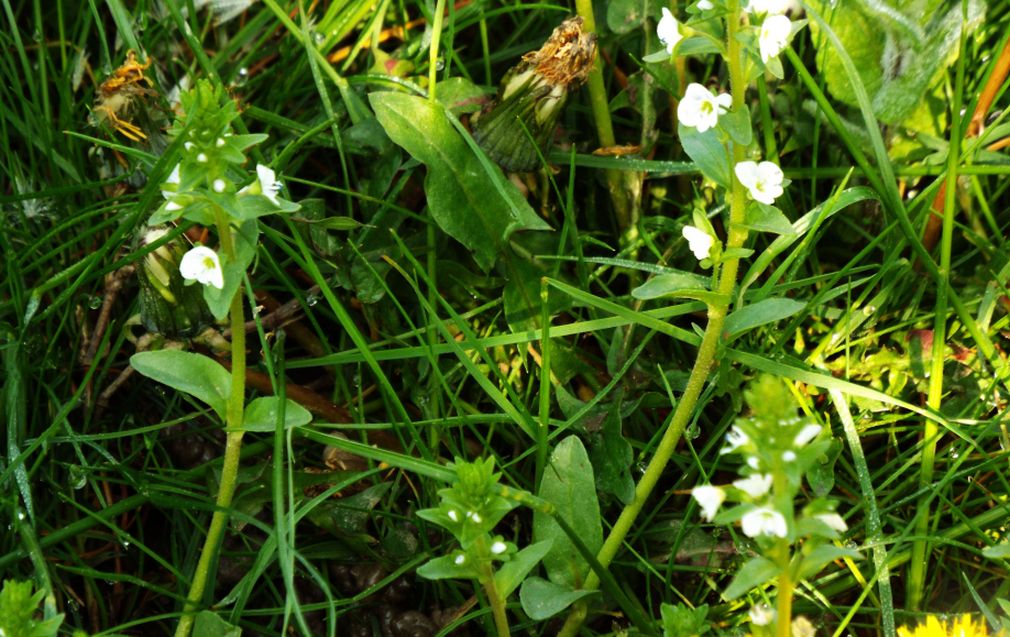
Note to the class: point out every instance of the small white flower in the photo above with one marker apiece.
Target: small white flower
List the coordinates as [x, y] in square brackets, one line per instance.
[764, 180]
[219, 185]
[201, 263]
[808, 433]
[460, 559]
[474, 517]
[789, 456]
[268, 184]
[453, 515]
[761, 615]
[771, 7]
[202, 158]
[171, 206]
[498, 547]
[188, 145]
[709, 498]
[774, 36]
[172, 179]
[701, 109]
[699, 241]
[668, 31]
[704, 5]
[764, 521]
[755, 485]
[833, 521]
[735, 439]
[754, 462]
[220, 142]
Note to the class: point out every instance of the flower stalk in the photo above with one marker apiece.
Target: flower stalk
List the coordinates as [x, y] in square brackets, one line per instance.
[717, 311]
[233, 442]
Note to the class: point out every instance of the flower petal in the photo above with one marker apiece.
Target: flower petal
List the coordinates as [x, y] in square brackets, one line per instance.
[709, 499]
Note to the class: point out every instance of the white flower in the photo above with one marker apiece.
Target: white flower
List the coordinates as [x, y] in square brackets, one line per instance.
[834, 521]
[755, 485]
[735, 439]
[764, 521]
[668, 31]
[789, 456]
[699, 241]
[453, 515]
[808, 433]
[774, 36]
[761, 615]
[268, 184]
[704, 5]
[219, 185]
[498, 547]
[474, 517]
[709, 498]
[764, 180]
[201, 263]
[772, 7]
[701, 109]
[460, 559]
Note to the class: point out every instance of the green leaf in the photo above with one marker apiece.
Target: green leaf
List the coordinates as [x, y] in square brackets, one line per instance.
[624, 16]
[707, 152]
[899, 50]
[683, 621]
[18, 605]
[612, 456]
[754, 573]
[445, 567]
[737, 126]
[673, 285]
[760, 313]
[569, 484]
[697, 45]
[209, 624]
[542, 599]
[262, 413]
[821, 555]
[998, 551]
[765, 218]
[514, 571]
[193, 374]
[470, 201]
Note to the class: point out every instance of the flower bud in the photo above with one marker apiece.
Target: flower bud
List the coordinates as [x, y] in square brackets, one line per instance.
[167, 305]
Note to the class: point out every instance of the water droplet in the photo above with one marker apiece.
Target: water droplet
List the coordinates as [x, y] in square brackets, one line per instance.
[439, 64]
[311, 300]
[869, 310]
[243, 72]
[318, 38]
[94, 301]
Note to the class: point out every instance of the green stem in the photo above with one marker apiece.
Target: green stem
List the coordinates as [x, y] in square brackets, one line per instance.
[784, 599]
[233, 446]
[494, 596]
[931, 431]
[737, 235]
[619, 195]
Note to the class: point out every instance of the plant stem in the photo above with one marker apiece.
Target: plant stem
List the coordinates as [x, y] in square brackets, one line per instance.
[706, 352]
[620, 196]
[784, 596]
[233, 445]
[494, 597]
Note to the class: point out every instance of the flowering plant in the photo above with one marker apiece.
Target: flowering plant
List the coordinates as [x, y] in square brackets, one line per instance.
[778, 449]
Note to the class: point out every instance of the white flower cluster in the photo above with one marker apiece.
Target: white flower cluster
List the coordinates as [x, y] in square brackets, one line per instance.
[760, 518]
[201, 263]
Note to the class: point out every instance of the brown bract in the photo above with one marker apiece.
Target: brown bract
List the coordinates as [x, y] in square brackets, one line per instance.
[567, 56]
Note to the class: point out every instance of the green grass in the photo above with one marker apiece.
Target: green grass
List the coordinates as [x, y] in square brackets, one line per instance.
[409, 346]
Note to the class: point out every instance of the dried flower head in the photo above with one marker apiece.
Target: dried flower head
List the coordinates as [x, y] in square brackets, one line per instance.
[532, 95]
